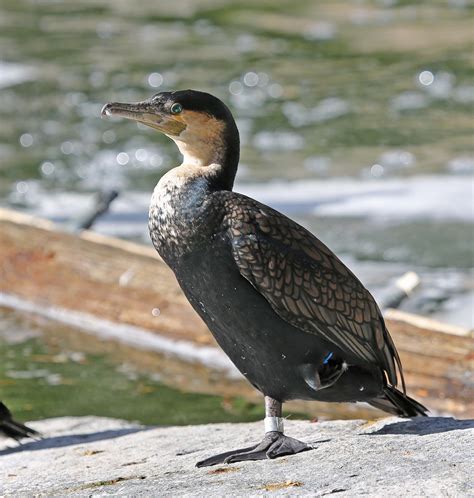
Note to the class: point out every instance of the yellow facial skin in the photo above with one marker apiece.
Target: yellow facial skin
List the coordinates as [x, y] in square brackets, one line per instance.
[198, 135]
[147, 113]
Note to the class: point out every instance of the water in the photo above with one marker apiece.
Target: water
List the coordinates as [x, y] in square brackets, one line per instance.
[47, 372]
[355, 118]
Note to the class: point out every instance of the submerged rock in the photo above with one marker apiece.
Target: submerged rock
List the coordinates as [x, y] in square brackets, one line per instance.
[91, 456]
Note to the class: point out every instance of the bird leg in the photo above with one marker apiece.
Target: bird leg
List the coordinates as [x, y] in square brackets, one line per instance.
[273, 445]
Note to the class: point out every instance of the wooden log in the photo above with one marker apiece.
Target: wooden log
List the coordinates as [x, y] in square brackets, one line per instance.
[437, 359]
[128, 283]
[112, 279]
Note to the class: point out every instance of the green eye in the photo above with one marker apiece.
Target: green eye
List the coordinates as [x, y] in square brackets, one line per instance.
[176, 108]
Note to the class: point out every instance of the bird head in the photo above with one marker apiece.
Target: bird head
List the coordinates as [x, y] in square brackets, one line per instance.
[201, 125]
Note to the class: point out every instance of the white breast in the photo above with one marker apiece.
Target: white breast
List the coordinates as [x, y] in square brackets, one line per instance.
[162, 206]
[163, 200]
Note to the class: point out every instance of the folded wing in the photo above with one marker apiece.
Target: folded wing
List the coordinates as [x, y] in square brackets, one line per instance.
[306, 284]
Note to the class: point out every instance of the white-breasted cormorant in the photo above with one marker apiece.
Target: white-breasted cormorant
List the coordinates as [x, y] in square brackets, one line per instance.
[290, 315]
[10, 428]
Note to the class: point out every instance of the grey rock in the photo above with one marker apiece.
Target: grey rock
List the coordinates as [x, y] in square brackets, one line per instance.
[92, 456]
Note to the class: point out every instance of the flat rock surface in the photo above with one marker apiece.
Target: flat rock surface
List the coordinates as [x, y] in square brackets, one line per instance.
[91, 456]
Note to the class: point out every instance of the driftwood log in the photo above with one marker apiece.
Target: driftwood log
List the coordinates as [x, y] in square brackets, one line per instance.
[124, 282]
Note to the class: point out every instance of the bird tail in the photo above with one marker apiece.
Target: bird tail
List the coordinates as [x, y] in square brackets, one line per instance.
[395, 402]
[13, 429]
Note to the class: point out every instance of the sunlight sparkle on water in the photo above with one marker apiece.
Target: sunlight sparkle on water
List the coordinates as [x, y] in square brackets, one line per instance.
[22, 187]
[141, 155]
[235, 87]
[155, 80]
[377, 170]
[122, 158]
[426, 78]
[66, 148]
[251, 79]
[26, 140]
[47, 168]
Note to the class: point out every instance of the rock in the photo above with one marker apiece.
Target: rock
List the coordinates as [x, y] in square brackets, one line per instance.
[92, 456]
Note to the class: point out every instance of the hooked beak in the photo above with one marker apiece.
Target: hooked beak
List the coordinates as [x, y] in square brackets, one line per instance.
[145, 112]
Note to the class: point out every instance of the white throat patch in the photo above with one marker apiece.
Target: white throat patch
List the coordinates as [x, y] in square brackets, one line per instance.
[172, 182]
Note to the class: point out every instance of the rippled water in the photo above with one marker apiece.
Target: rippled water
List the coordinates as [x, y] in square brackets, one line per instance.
[355, 117]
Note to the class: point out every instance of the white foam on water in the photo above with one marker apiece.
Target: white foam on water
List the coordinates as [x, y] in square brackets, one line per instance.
[435, 197]
[13, 74]
[421, 197]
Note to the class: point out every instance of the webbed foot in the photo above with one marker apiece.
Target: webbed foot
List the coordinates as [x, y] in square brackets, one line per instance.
[273, 445]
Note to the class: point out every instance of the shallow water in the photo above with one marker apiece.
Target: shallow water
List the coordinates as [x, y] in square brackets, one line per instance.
[355, 118]
[45, 373]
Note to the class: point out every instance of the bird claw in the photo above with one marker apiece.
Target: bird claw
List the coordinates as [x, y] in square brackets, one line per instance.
[273, 445]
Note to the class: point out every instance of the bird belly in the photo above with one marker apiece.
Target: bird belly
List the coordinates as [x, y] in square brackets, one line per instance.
[272, 354]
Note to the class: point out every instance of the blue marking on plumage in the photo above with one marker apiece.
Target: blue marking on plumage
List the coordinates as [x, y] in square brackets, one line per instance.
[327, 358]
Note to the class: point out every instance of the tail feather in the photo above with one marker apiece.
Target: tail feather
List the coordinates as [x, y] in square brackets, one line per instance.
[16, 430]
[13, 429]
[395, 402]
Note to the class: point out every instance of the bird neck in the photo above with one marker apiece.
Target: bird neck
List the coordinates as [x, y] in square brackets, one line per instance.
[216, 157]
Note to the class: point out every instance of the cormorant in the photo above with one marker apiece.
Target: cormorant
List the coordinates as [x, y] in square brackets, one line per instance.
[13, 429]
[290, 315]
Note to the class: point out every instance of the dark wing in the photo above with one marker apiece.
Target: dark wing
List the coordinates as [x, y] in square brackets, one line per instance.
[306, 284]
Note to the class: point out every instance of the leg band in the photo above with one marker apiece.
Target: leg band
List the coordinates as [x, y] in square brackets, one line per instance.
[273, 424]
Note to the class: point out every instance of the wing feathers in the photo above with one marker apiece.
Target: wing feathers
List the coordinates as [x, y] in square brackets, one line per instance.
[306, 284]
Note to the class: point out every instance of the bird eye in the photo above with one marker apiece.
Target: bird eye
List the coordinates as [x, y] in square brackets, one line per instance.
[176, 108]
